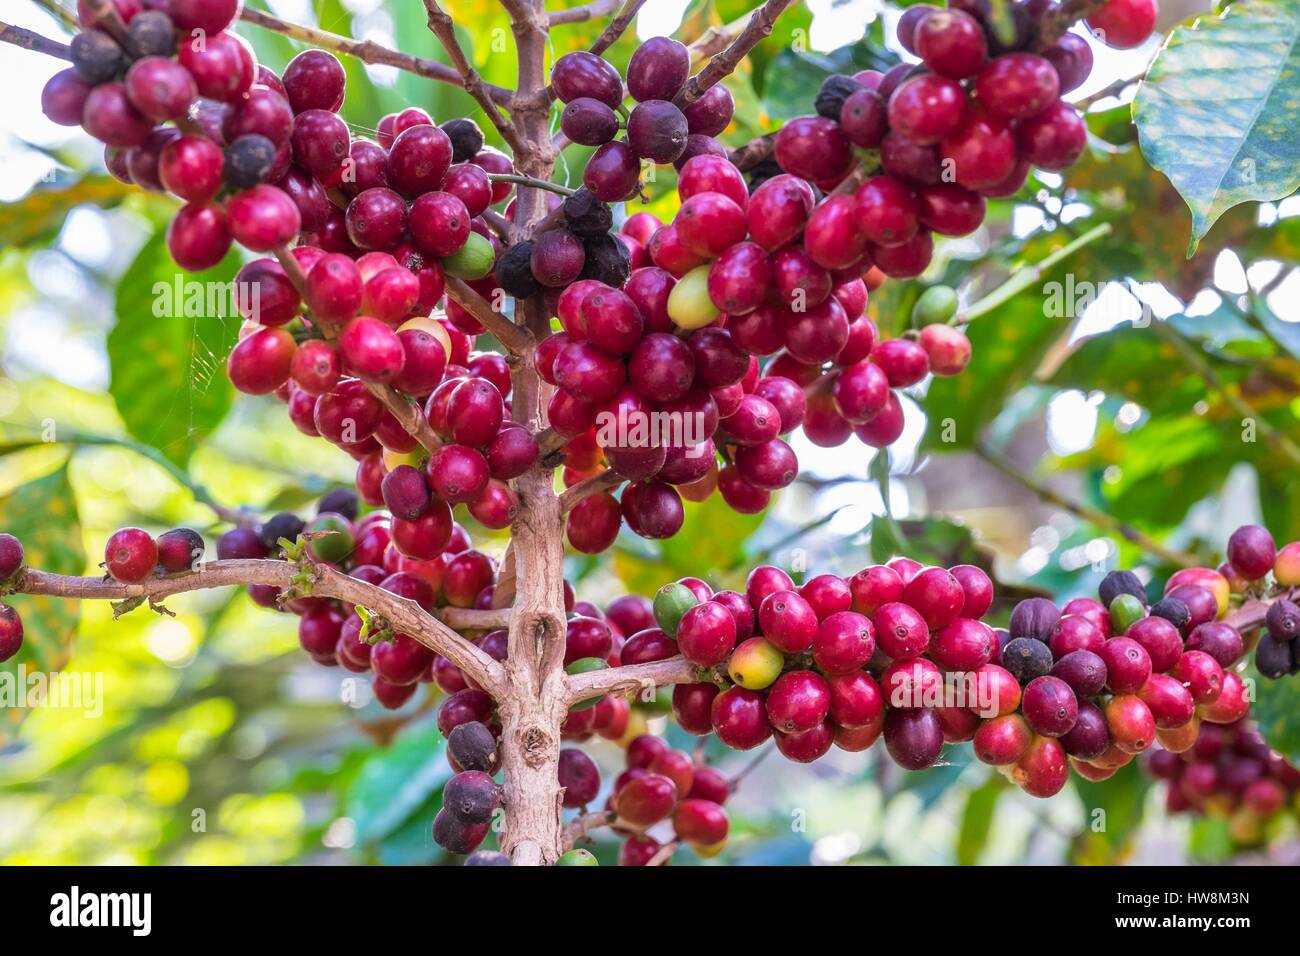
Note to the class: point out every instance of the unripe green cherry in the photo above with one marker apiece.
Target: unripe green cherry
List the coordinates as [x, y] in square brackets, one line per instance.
[585, 665]
[1124, 611]
[671, 604]
[578, 857]
[473, 260]
[689, 305]
[755, 664]
[335, 542]
[936, 304]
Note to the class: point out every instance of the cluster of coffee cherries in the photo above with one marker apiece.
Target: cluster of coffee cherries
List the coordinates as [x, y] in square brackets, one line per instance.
[834, 661]
[366, 547]
[899, 651]
[1229, 771]
[472, 797]
[1253, 557]
[665, 788]
[962, 126]
[657, 130]
[660, 379]
[184, 107]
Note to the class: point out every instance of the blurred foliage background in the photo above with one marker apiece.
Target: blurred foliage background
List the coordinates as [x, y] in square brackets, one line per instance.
[1070, 440]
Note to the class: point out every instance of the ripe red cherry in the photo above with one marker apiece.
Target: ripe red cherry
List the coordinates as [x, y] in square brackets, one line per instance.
[1252, 551]
[1043, 770]
[949, 209]
[814, 148]
[223, 66]
[1053, 139]
[1131, 725]
[963, 645]
[692, 704]
[334, 288]
[952, 43]
[1050, 706]
[706, 634]
[1124, 24]
[709, 223]
[740, 718]
[371, 350]
[901, 631]
[475, 412]
[788, 621]
[160, 88]
[1127, 664]
[982, 150]
[779, 210]
[798, 701]
[263, 218]
[887, 211]
[1170, 703]
[845, 643]
[439, 223]
[130, 555]
[714, 174]
[376, 219]
[833, 237]
[1201, 674]
[914, 738]
[314, 80]
[260, 363]
[458, 473]
[198, 237]
[1002, 741]
[1016, 86]
[418, 160]
[903, 361]
[937, 595]
[873, 587]
[928, 107]
[855, 699]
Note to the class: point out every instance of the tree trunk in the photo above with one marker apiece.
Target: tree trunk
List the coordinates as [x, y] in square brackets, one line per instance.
[534, 707]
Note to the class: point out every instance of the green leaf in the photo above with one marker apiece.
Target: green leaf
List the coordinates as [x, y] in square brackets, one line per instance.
[977, 819]
[396, 782]
[42, 514]
[1216, 113]
[39, 215]
[1277, 711]
[1120, 800]
[168, 374]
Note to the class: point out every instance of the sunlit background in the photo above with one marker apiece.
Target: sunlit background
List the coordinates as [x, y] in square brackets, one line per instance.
[219, 742]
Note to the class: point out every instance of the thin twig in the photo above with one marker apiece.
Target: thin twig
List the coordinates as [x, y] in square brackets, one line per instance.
[1027, 276]
[634, 677]
[663, 854]
[588, 11]
[530, 181]
[580, 827]
[1202, 367]
[63, 14]
[515, 338]
[617, 27]
[1057, 21]
[595, 484]
[408, 414]
[758, 27]
[442, 27]
[734, 783]
[401, 614]
[1100, 518]
[29, 40]
[367, 51]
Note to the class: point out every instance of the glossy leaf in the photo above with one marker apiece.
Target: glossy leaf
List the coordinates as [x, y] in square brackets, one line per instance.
[1216, 113]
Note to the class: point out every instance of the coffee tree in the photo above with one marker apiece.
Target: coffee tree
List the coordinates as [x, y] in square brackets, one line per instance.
[501, 337]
